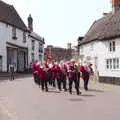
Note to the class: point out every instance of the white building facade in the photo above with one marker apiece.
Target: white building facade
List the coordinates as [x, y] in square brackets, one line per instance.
[35, 48]
[15, 40]
[105, 60]
[101, 47]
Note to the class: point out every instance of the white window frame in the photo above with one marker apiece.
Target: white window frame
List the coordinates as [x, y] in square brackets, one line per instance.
[112, 64]
[112, 46]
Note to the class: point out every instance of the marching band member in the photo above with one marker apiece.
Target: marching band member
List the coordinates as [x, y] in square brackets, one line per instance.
[58, 77]
[86, 72]
[44, 76]
[50, 65]
[56, 72]
[53, 72]
[73, 78]
[78, 72]
[63, 68]
[85, 76]
[35, 72]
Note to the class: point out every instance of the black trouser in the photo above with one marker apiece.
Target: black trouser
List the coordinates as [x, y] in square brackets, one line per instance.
[63, 80]
[44, 84]
[76, 85]
[50, 78]
[53, 82]
[12, 76]
[59, 83]
[39, 81]
[79, 79]
[35, 78]
[86, 79]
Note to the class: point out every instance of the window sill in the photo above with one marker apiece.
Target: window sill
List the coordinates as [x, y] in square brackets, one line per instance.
[112, 69]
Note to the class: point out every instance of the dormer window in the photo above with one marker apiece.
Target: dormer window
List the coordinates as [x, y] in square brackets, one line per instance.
[14, 33]
[112, 46]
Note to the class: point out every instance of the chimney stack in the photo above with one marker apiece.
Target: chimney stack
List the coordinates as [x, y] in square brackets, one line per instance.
[30, 23]
[115, 5]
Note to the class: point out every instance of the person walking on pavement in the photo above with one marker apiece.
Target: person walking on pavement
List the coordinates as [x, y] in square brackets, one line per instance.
[12, 71]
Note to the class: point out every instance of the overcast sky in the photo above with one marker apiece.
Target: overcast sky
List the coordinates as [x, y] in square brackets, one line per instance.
[61, 21]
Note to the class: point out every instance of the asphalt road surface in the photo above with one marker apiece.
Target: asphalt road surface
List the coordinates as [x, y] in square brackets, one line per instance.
[23, 100]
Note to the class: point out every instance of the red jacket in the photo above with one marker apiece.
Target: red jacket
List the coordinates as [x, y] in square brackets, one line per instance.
[64, 69]
[56, 72]
[34, 69]
[72, 73]
[85, 73]
[44, 71]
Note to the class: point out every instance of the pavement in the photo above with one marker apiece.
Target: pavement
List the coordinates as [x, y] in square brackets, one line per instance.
[3, 115]
[23, 100]
[6, 76]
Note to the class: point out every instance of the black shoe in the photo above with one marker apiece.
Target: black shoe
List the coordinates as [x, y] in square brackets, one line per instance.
[86, 89]
[78, 93]
[65, 90]
[46, 90]
[60, 90]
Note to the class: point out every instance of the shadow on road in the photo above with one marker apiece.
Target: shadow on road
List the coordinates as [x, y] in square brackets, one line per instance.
[95, 90]
[88, 95]
[17, 76]
[75, 99]
[53, 91]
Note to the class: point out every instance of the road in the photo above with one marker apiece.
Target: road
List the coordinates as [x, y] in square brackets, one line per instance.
[23, 100]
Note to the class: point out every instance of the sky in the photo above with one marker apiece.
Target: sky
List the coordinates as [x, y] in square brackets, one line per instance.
[61, 21]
